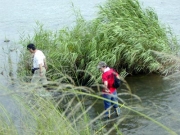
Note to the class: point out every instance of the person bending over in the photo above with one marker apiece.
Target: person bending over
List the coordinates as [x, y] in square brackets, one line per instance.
[109, 92]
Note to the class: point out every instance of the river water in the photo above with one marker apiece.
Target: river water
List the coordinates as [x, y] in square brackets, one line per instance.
[159, 100]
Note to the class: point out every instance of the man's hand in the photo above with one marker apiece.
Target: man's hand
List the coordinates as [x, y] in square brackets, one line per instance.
[46, 67]
[45, 64]
[107, 90]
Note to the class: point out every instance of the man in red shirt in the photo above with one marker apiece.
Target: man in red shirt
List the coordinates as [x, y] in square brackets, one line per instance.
[109, 92]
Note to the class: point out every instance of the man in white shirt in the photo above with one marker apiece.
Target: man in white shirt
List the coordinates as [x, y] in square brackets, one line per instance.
[39, 65]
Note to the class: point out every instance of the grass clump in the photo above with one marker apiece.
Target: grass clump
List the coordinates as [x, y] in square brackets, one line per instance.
[131, 33]
[123, 34]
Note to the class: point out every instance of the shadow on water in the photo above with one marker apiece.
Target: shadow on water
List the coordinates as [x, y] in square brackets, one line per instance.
[159, 101]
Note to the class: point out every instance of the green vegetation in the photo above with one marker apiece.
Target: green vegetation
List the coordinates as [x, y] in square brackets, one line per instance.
[68, 111]
[127, 37]
[123, 34]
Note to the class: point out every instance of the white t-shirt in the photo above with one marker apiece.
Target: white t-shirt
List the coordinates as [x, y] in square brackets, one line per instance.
[38, 59]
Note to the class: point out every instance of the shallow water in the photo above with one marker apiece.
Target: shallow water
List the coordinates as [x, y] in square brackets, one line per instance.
[159, 101]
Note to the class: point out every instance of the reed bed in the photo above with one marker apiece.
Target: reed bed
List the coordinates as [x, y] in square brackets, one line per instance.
[123, 34]
[126, 36]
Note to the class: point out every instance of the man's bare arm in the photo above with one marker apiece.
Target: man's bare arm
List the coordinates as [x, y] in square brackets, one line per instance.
[106, 86]
[45, 63]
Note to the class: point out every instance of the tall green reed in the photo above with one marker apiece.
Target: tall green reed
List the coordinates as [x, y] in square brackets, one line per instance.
[123, 34]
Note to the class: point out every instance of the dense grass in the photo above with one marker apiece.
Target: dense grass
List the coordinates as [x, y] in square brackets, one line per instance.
[133, 33]
[123, 34]
[127, 37]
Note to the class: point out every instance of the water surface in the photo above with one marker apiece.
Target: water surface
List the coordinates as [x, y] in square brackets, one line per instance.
[159, 101]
